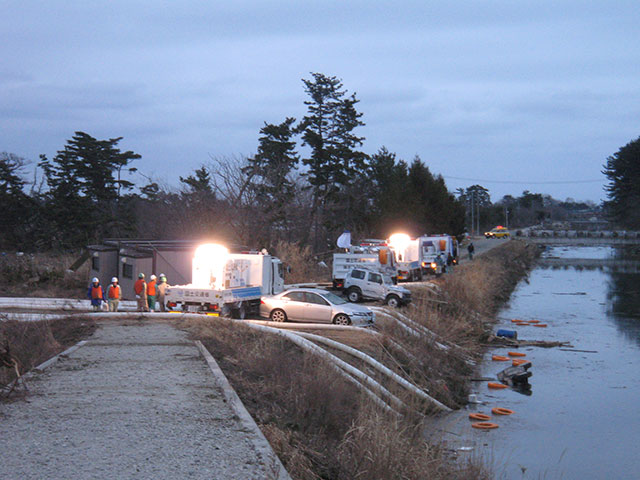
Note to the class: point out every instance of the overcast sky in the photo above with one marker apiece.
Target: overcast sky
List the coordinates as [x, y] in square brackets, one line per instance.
[483, 91]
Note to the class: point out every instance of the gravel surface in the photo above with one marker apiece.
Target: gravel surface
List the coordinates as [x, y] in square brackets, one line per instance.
[137, 401]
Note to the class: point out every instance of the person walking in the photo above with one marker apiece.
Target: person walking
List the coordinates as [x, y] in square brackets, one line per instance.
[114, 295]
[140, 289]
[162, 289]
[470, 250]
[96, 294]
[151, 293]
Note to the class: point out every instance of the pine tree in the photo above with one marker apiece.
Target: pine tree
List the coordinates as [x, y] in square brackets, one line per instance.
[335, 162]
[84, 190]
[623, 171]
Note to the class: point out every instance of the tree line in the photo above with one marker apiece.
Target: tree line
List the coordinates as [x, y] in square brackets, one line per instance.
[276, 194]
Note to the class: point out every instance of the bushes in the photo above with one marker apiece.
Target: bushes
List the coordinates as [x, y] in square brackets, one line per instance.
[43, 275]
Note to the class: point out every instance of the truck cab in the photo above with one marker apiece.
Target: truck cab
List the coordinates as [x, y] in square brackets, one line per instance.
[361, 283]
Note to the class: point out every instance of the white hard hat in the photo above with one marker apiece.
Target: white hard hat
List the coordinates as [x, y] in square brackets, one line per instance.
[114, 279]
[153, 277]
[95, 280]
[162, 275]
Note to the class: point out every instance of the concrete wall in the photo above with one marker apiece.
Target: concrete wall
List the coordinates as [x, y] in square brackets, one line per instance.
[107, 268]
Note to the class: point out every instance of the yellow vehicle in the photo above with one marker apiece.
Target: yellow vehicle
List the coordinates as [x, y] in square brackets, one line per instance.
[498, 232]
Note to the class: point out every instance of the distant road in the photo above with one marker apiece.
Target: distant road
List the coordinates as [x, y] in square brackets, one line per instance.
[482, 245]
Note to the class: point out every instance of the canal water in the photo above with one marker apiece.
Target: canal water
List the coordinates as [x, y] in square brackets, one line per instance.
[582, 417]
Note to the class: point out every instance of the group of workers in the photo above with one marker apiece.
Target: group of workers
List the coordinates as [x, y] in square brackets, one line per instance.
[148, 294]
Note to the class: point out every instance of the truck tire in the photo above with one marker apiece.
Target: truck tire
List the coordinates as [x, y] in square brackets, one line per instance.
[278, 315]
[354, 295]
[239, 313]
[393, 301]
[342, 319]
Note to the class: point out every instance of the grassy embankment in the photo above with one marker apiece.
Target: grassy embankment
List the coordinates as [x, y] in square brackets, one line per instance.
[321, 426]
[31, 343]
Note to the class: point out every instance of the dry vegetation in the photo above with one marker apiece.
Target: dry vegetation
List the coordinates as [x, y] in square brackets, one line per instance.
[301, 264]
[319, 425]
[42, 275]
[31, 343]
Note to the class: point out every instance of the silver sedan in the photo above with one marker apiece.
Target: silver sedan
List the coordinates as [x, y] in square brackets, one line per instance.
[313, 305]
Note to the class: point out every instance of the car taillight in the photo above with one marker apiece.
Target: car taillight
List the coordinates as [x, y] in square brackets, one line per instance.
[262, 302]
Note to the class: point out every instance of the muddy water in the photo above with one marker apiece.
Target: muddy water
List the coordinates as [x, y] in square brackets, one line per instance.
[582, 417]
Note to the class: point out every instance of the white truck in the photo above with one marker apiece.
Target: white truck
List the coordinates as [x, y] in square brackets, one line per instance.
[433, 246]
[362, 283]
[407, 256]
[227, 283]
[376, 256]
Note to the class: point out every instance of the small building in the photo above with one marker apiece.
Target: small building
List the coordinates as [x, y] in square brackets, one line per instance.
[125, 259]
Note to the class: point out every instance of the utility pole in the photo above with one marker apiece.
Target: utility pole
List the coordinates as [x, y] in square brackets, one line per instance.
[473, 225]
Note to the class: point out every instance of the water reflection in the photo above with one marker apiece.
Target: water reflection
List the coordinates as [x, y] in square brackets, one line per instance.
[623, 303]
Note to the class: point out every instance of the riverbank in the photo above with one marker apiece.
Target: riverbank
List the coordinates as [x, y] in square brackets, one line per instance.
[322, 426]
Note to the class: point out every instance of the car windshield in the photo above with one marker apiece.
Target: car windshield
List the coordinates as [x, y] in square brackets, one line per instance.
[333, 298]
[387, 280]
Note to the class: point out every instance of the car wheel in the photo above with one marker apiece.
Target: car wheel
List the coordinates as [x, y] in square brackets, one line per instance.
[278, 315]
[393, 301]
[342, 319]
[353, 295]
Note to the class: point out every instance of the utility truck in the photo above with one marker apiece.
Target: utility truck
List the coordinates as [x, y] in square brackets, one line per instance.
[434, 246]
[227, 283]
[375, 255]
[428, 254]
[407, 256]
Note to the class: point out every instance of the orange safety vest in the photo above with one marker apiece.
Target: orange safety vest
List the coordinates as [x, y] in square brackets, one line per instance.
[151, 288]
[139, 286]
[96, 292]
[114, 292]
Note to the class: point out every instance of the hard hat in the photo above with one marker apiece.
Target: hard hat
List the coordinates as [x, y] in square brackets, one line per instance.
[141, 275]
[114, 280]
[95, 280]
[163, 275]
[152, 277]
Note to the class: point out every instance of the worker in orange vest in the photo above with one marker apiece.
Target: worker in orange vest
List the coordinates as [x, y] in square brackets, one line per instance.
[114, 295]
[96, 294]
[151, 293]
[140, 289]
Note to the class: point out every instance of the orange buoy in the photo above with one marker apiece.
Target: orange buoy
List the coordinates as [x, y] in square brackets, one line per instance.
[499, 358]
[540, 325]
[523, 324]
[479, 416]
[517, 354]
[484, 425]
[516, 320]
[518, 361]
[496, 385]
[534, 321]
[501, 411]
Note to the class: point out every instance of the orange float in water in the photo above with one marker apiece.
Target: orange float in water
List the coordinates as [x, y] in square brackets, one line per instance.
[484, 425]
[501, 411]
[496, 386]
[540, 325]
[518, 361]
[517, 354]
[479, 416]
[499, 358]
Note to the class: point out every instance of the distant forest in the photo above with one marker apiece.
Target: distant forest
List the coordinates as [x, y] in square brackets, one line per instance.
[85, 194]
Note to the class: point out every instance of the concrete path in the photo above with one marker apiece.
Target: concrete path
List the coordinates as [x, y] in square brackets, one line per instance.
[137, 401]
